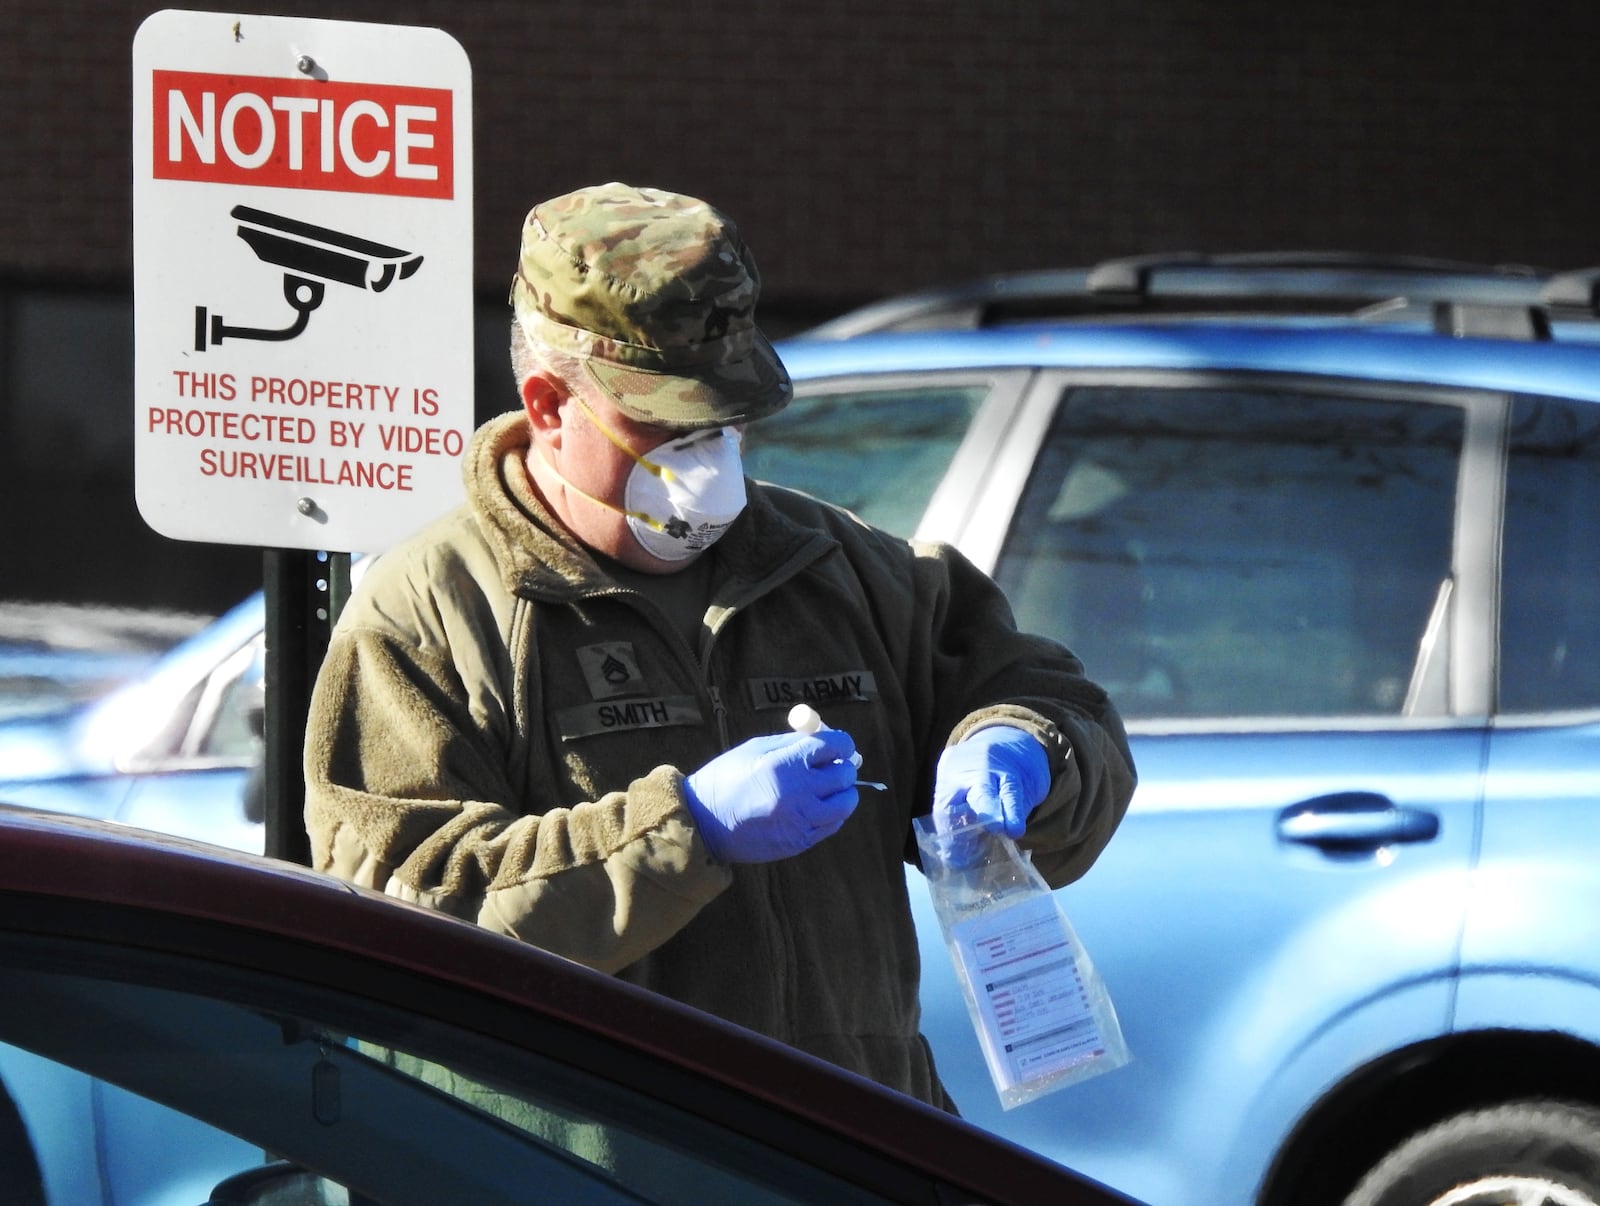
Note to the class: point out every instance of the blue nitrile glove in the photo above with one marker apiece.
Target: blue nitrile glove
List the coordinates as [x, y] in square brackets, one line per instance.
[997, 775]
[773, 796]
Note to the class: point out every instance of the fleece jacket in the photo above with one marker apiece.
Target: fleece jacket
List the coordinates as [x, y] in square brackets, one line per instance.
[501, 731]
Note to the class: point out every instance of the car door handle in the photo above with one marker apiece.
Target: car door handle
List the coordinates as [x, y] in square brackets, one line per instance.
[1355, 821]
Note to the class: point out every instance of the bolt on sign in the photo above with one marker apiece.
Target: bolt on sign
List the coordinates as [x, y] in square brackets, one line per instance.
[302, 231]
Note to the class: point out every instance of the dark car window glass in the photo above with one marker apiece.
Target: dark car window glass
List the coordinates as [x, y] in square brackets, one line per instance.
[405, 1109]
[1550, 612]
[879, 453]
[1231, 552]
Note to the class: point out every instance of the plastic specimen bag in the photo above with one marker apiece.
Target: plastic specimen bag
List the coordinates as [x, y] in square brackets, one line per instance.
[1043, 1016]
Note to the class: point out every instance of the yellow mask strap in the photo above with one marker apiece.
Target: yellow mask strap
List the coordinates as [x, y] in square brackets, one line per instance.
[649, 466]
[648, 520]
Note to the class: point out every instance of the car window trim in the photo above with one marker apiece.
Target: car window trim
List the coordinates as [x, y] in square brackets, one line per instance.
[1480, 522]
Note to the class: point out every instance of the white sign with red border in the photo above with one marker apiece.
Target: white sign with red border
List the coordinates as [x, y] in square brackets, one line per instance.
[302, 238]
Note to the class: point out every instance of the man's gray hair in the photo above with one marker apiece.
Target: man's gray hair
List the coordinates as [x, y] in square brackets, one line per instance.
[531, 355]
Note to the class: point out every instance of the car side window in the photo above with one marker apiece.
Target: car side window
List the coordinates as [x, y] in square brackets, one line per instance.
[1222, 552]
[1550, 592]
[350, 1094]
[879, 453]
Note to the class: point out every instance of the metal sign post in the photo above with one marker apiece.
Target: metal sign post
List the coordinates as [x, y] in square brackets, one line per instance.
[292, 643]
[304, 592]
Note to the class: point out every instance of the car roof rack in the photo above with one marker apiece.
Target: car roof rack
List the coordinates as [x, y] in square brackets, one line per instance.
[1508, 301]
[1576, 290]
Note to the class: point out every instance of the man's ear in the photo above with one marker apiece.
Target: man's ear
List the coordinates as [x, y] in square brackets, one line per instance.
[542, 395]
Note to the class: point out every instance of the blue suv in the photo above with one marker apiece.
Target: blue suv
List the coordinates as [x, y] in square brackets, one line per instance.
[1324, 529]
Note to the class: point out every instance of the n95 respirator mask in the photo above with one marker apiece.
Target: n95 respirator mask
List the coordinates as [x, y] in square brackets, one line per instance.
[683, 495]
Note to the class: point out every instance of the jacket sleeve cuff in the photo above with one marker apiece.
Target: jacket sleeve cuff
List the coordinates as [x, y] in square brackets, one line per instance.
[1056, 746]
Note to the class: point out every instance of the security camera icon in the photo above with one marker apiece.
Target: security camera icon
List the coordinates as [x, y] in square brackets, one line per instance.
[305, 252]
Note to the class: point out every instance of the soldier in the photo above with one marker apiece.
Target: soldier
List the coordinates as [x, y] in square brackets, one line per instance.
[560, 710]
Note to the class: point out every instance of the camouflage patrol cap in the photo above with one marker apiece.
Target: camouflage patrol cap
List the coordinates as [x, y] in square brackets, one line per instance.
[657, 293]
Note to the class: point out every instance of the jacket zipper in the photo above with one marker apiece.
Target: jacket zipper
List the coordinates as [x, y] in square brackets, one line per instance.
[720, 711]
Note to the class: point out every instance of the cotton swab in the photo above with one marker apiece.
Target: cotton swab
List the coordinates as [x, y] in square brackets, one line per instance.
[803, 718]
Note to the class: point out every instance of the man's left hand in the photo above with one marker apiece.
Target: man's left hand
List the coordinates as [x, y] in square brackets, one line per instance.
[996, 775]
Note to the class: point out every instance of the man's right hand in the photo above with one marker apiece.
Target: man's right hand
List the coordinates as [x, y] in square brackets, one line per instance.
[773, 796]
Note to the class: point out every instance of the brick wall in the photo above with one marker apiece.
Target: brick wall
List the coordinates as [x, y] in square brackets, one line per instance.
[866, 148]
[878, 146]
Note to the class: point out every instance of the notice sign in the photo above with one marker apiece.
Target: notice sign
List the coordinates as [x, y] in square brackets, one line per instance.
[303, 342]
